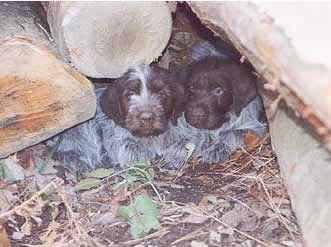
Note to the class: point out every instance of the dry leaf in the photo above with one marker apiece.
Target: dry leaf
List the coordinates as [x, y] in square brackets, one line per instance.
[206, 180]
[8, 195]
[195, 219]
[121, 194]
[251, 140]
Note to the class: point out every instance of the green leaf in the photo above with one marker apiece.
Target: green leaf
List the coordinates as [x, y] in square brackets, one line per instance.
[141, 164]
[223, 203]
[212, 199]
[145, 205]
[137, 228]
[190, 147]
[100, 173]
[87, 183]
[131, 178]
[150, 222]
[126, 212]
[150, 174]
[5, 173]
[120, 184]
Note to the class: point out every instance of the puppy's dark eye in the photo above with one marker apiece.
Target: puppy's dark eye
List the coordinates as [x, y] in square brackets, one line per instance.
[130, 93]
[162, 95]
[218, 91]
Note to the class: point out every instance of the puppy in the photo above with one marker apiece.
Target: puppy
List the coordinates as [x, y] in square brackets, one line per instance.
[143, 101]
[222, 103]
[135, 120]
[216, 85]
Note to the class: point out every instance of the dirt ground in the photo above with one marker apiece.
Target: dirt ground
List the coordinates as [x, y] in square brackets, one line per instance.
[240, 202]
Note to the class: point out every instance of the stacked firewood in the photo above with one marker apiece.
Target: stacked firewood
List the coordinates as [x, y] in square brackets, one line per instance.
[40, 93]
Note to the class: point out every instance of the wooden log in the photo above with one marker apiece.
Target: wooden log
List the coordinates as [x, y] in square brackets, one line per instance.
[305, 167]
[274, 39]
[104, 39]
[40, 96]
[260, 33]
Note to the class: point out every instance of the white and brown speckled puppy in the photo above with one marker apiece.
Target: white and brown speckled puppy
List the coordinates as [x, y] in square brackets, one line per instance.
[135, 120]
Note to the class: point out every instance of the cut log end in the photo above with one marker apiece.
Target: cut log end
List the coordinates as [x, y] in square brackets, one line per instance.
[39, 95]
[116, 35]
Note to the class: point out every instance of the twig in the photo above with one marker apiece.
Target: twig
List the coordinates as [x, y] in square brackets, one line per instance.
[190, 235]
[37, 194]
[238, 231]
[276, 209]
[156, 192]
[206, 214]
[153, 235]
[80, 230]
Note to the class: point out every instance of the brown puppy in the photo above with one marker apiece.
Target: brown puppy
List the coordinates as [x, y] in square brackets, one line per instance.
[215, 87]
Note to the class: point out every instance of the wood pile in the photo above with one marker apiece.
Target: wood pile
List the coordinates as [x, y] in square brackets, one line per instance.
[40, 95]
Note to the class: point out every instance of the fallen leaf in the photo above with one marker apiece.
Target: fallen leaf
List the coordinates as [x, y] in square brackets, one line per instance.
[11, 170]
[204, 202]
[8, 195]
[195, 216]
[206, 180]
[100, 173]
[242, 217]
[104, 219]
[87, 183]
[212, 199]
[195, 219]
[121, 194]
[251, 140]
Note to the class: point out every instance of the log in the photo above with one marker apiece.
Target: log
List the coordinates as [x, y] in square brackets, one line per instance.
[273, 37]
[305, 167]
[104, 39]
[40, 96]
[260, 32]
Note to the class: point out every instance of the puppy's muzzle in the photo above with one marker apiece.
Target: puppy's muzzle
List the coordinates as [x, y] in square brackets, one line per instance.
[147, 118]
[196, 115]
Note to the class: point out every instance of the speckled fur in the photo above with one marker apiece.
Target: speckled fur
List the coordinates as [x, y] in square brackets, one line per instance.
[216, 145]
[99, 142]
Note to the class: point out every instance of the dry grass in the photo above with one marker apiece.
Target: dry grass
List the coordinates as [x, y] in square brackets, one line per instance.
[248, 185]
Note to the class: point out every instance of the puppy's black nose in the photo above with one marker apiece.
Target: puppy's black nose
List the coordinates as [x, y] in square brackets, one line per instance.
[146, 116]
[198, 112]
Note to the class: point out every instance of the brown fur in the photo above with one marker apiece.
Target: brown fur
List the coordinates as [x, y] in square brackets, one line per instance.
[146, 120]
[216, 86]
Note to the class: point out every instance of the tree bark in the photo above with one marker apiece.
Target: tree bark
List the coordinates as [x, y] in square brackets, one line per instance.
[105, 39]
[40, 96]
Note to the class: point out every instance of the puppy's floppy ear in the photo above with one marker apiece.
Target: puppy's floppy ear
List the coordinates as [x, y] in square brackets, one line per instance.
[178, 80]
[110, 103]
[243, 84]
